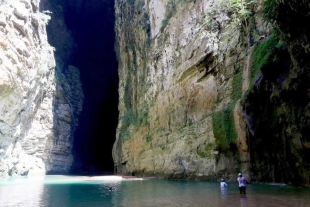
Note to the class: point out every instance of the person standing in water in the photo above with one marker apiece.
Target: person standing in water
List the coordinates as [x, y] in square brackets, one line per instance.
[223, 190]
[223, 184]
[242, 183]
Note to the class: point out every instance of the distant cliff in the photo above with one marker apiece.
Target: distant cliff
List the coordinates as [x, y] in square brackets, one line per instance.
[207, 89]
[39, 101]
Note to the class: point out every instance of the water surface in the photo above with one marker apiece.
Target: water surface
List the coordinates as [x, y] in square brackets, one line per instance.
[58, 191]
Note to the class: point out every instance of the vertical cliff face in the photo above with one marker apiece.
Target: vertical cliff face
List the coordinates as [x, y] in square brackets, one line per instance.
[277, 106]
[184, 66]
[83, 34]
[208, 88]
[36, 100]
[68, 100]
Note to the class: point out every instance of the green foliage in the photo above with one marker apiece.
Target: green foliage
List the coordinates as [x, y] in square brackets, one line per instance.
[202, 154]
[206, 152]
[130, 118]
[170, 10]
[209, 147]
[219, 132]
[237, 85]
[133, 118]
[145, 21]
[241, 8]
[224, 128]
[209, 20]
[148, 138]
[144, 116]
[128, 91]
[240, 12]
[269, 10]
[290, 114]
[264, 52]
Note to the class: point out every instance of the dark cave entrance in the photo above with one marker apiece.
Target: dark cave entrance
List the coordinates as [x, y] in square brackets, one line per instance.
[91, 27]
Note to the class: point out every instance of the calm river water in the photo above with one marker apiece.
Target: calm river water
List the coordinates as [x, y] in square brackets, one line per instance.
[58, 191]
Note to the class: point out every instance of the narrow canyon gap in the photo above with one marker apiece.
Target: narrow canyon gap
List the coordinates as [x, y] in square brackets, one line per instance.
[82, 33]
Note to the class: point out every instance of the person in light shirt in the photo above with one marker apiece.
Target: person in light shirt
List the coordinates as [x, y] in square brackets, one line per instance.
[223, 183]
[223, 190]
[242, 183]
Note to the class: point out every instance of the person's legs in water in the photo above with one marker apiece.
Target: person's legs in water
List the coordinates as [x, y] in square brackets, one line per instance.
[240, 189]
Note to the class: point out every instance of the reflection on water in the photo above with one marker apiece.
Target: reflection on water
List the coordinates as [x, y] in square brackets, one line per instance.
[223, 194]
[243, 201]
[58, 191]
[21, 194]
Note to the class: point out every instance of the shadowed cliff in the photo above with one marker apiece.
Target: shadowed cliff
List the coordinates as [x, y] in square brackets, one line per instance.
[83, 34]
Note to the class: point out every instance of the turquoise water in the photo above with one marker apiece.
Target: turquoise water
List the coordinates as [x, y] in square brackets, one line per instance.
[57, 191]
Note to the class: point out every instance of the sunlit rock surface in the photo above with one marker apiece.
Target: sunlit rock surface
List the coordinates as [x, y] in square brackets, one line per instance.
[183, 70]
[206, 92]
[36, 113]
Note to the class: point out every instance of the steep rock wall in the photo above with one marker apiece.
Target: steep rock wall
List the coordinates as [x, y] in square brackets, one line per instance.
[183, 68]
[278, 103]
[82, 31]
[36, 109]
[201, 98]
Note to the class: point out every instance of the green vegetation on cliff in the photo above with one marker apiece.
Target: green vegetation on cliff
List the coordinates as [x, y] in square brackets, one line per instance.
[224, 129]
[170, 10]
[277, 105]
[270, 9]
[265, 52]
[237, 85]
[133, 118]
[223, 121]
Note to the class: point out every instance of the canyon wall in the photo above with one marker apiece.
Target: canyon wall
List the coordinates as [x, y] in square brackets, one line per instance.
[277, 106]
[82, 31]
[184, 66]
[201, 90]
[39, 103]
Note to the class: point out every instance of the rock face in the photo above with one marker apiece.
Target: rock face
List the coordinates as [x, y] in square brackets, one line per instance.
[183, 70]
[36, 101]
[195, 91]
[278, 104]
[82, 31]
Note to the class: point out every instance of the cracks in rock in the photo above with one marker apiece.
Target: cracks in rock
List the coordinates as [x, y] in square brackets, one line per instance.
[180, 163]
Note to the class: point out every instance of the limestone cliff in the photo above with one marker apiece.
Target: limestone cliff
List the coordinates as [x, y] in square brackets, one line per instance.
[37, 111]
[183, 69]
[191, 74]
